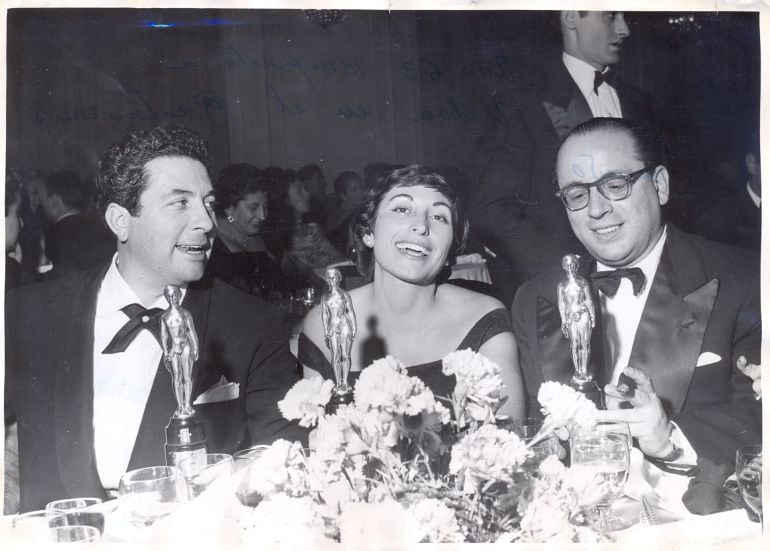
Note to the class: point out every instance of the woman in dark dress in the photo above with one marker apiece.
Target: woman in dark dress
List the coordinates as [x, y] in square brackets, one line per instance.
[408, 226]
[240, 255]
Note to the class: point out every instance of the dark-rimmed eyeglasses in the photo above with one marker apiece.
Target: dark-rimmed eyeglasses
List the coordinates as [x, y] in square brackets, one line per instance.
[614, 187]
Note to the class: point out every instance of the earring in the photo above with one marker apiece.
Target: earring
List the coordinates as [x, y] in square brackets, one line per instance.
[230, 218]
[368, 240]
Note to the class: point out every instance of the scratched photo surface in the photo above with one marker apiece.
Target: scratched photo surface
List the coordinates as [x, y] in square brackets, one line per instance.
[286, 87]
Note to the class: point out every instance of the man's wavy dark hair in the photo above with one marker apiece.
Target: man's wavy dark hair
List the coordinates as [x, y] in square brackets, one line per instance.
[122, 176]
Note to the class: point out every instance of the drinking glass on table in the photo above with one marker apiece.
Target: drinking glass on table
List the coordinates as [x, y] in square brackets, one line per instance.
[35, 526]
[243, 458]
[527, 429]
[748, 472]
[82, 511]
[218, 467]
[151, 493]
[75, 534]
[600, 457]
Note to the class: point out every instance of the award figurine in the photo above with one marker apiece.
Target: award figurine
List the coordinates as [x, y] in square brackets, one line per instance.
[339, 323]
[576, 309]
[185, 437]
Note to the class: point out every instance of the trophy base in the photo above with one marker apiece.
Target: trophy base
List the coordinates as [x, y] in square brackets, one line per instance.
[590, 389]
[338, 399]
[186, 444]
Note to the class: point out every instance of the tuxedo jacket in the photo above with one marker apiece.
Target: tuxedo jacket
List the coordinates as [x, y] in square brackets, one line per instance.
[514, 211]
[701, 314]
[49, 357]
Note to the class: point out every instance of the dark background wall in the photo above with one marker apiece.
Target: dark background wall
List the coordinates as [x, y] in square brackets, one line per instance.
[272, 87]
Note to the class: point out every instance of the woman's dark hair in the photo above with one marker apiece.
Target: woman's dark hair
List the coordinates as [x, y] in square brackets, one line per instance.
[280, 223]
[237, 181]
[410, 176]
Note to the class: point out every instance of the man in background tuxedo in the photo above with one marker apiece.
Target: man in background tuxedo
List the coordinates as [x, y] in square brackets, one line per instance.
[671, 322]
[514, 213]
[92, 398]
[74, 241]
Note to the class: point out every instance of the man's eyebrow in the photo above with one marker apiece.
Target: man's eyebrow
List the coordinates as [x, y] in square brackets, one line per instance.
[442, 204]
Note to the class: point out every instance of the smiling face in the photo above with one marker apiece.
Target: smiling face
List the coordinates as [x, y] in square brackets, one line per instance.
[169, 240]
[412, 234]
[249, 213]
[597, 37]
[617, 233]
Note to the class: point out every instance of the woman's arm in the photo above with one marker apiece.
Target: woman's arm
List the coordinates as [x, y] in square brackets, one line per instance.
[502, 350]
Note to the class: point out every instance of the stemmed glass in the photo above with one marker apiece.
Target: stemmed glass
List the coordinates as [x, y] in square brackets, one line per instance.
[601, 454]
[149, 494]
[527, 429]
[748, 471]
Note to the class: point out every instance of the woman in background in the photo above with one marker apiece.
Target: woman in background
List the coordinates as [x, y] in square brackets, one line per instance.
[305, 242]
[241, 255]
[408, 227]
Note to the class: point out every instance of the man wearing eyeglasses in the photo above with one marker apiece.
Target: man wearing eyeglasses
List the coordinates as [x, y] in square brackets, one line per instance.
[512, 206]
[674, 314]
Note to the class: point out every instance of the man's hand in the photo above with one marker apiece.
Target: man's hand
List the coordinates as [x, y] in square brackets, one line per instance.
[648, 422]
[754, 372]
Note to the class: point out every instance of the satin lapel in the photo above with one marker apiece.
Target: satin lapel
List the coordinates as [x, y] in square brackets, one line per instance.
[150, 440]
[564, 103]
[671, 329]
[74, 398]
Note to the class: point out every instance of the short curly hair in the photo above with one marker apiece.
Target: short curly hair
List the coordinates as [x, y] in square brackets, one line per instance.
[122, 177]
[409, 176]
[235, 182]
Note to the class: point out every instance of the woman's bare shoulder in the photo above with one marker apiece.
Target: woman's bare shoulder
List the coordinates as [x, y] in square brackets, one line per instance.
[470, 303]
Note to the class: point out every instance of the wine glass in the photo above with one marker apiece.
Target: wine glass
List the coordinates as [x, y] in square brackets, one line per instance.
[83, 511]
[748, 472]
[151, 493]
[243, 458]
[601, 456]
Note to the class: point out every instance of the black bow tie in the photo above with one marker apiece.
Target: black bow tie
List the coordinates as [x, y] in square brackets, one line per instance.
[609, 281]
[600, 77]
[139, 318]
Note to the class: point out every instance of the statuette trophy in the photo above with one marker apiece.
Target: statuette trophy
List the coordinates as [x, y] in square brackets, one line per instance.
[577, 312]
[185, 436]
[339, 323]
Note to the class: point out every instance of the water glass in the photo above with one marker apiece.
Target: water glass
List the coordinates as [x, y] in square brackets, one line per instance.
[219, 467]
[602, 455]
[35, 526]
[244, 458]
[151, 493]
[748, 472]
[75, 534]
[80, 511]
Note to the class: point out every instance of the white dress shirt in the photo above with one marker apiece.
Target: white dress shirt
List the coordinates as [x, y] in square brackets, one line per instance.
[122, 381]
[621, 315]
[604, 102]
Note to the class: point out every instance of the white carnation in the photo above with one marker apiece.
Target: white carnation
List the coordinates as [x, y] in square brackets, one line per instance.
[284, 519]
[437, 521]
[361, 524]
[564, 405]
[306, 400]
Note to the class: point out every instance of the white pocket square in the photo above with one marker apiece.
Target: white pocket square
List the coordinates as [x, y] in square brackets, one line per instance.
[220, 392]
[707, 358]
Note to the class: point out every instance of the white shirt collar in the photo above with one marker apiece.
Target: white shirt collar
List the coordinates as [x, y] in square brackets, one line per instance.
[115, 293]
[648, 264]
[754, 197]
[582, 73]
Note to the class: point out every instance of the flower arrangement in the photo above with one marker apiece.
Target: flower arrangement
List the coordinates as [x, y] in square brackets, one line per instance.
[398, 463]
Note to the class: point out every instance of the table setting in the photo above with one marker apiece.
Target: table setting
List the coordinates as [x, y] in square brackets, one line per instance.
[388, 462]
